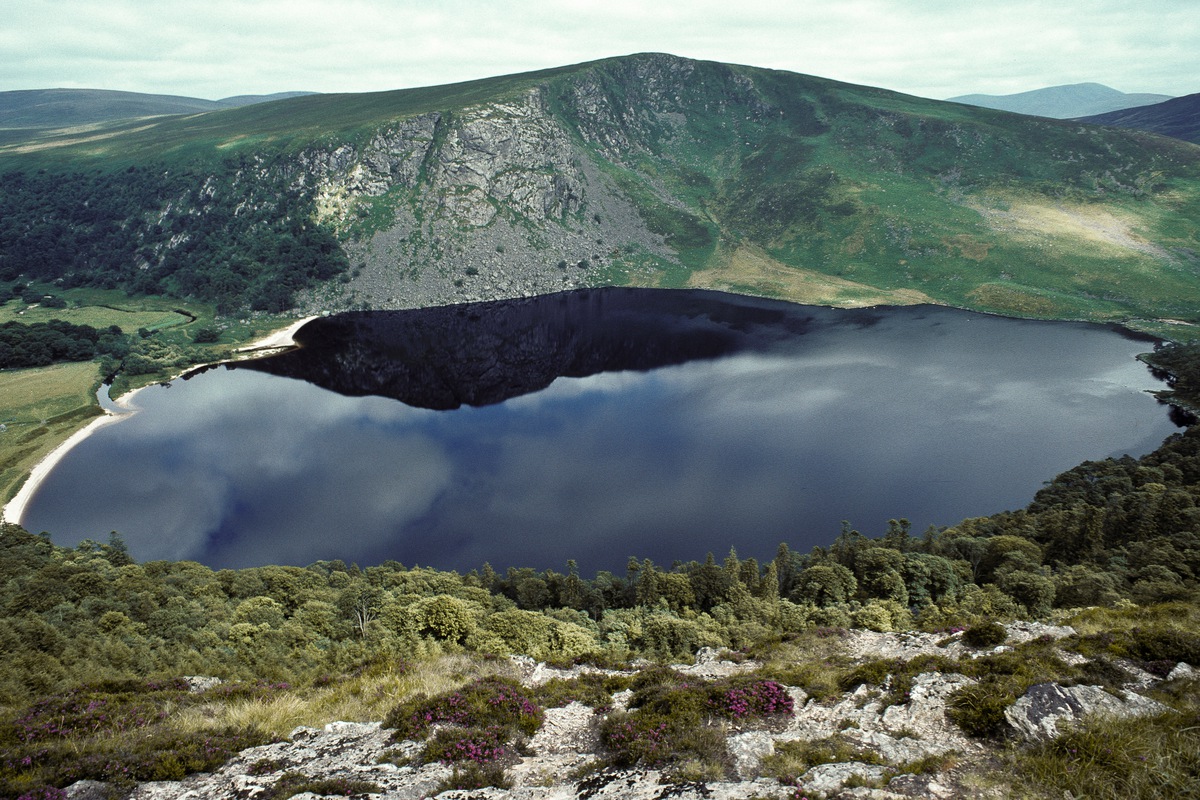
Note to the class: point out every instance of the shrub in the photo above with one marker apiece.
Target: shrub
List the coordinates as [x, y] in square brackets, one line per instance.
[44, 793]
[1164, 643]
[206, 335]
[979, 709]
[987, 634]
[590, 689]
[117, 731]
[294, 783]
[1115, 759]
[475, 776]
[739, 699]
[478, 745]
[486, 702]
[656, 739]
[265, 766]
[674, 720]
[793, 758]
[872, 673]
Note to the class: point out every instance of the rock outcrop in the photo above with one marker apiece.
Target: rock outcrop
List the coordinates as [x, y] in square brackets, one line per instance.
[1045, 708]
[884, 731]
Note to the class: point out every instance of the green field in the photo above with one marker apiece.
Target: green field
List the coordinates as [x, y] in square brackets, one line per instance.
[128, 319]
[40, 409]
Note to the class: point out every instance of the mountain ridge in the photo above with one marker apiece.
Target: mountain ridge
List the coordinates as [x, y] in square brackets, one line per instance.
[647, 170]
[1178, 117]
[43, 109]
[1067, 101]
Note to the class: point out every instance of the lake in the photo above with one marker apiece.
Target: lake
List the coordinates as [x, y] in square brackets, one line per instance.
[602, 424]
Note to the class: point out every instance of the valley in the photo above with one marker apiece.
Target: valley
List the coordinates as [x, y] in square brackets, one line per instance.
[183, 238]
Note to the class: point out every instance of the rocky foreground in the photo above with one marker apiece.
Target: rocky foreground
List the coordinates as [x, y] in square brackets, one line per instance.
[916, 731]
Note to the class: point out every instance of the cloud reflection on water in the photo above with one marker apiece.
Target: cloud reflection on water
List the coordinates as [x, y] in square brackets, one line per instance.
[930, 414]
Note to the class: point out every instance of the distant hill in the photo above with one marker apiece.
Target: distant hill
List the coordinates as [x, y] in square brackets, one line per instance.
[1178, 117]
[251, 99]
[63, 108]
[1062, 102]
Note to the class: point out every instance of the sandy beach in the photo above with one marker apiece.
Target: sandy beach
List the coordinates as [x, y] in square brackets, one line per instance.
[281, 338]
[14, 510]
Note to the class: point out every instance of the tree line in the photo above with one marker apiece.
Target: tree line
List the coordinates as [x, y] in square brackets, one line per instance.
[43, 343]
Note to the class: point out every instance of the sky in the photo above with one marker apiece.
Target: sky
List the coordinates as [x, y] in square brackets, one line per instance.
[931, 48]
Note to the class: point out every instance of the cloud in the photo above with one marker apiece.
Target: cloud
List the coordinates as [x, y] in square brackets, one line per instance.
[934, 48]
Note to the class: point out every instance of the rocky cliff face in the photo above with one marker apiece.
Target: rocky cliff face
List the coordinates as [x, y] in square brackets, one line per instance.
[481, 203]
[527, 195]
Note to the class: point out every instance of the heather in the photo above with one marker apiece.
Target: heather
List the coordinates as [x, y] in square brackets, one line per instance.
[117, 732]
[679, 722]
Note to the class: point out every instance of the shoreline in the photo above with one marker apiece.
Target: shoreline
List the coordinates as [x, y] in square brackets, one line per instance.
[284, 337]
[14, 510]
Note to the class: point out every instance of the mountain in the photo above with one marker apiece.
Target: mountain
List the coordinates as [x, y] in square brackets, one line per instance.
[61, 108]
[1062, 102]
[647, 170]
[1178, 117]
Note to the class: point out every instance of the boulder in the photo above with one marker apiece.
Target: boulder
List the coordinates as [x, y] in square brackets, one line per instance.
[748, 751]
[89, 790]
[1183, 671]
[201, 683]
[899, 733]
[828, 778]
[1046, 707]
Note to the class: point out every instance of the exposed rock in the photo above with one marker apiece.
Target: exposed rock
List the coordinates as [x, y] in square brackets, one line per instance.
[898, 733]
[201, 683]
[478, 204]
[828, 778]
[710, 666]
[340, 750]
[571, 729]
[869, 718]
[89, 790]
[1138, 679]
[1183, 671]
[925, 786]
[1020, 632]
[1047, 706]
[535, 673]
[865, 644]
[748, 750]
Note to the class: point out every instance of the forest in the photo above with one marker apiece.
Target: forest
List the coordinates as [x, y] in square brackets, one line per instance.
[217, 238]
[44, 343]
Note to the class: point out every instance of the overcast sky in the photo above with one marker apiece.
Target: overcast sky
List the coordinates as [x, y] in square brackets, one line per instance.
[932, 48]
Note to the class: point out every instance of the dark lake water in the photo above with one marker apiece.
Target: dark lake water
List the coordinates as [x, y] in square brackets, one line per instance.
[599, 425]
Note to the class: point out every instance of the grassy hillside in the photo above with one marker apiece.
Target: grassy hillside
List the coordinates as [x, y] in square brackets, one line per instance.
[670, 172]
[24, 112]
[61, 108]
[1179, 117]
